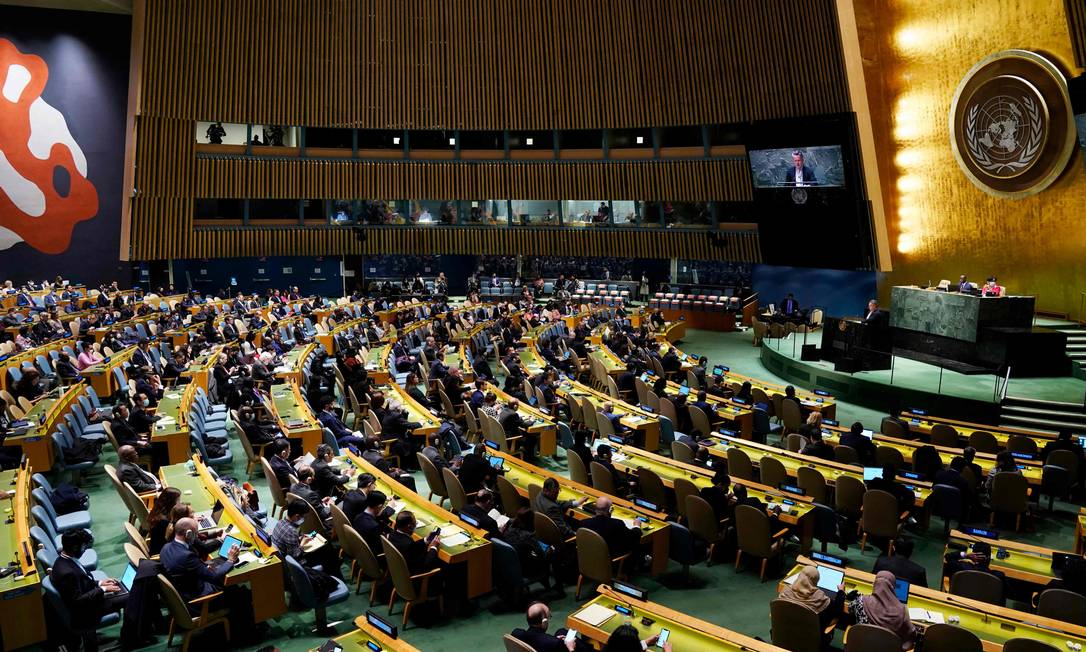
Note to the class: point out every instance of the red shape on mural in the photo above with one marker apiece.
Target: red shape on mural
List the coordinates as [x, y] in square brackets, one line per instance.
[34, 142]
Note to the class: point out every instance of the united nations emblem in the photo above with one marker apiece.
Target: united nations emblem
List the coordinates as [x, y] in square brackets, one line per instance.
[1011, 125]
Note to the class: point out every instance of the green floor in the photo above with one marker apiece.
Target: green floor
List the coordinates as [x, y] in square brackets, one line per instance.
[718, 594]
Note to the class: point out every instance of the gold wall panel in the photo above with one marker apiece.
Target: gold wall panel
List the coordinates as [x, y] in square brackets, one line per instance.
[940, 224]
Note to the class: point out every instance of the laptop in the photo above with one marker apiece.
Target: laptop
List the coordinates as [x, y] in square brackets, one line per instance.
[901, 590]
[128, 577]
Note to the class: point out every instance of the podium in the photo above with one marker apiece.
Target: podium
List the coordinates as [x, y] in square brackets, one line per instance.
[852, 345]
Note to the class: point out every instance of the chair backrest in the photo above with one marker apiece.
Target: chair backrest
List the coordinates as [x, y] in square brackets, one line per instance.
[752, 530]
[849, 495]
[1027, 645]
[652, 488]
[1064, 458]
[683, 488]
[845, 454]
[950, 638]
[515, 645]
[277, 492]
[813, 483]
[458, 498]
[978, 585]
[880, 515]
[134, 554]
[547, 531]
[699, 419]
[1063, 605]
[667, 409]
[602, 480]
[791, 416]
[794, 627]
[795, 442]
[772, 471]
[312, 519]
[179, 611]
[299, 579]
[339, 519]
[397, 568]
[1021, 444]
[701, 519]
[577, 472]
[360, 551]
[945, 501]
[681, 452]
[511, 500]
[944, 435]
[739, 465]
[434, 478]
[593, 556]
[1010, 493]
[860, 638]
[888, 455]
[892, 427]
[137, 539]
[984, 442]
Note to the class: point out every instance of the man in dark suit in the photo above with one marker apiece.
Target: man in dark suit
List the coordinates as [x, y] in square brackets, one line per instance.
[719, 495]
[976, 559]
[863, 446]
[539, 639]
[420, 554]
[122, 429]
[479, 511]
[905, 498]
[128, 470]
[874, 315]
[184, 568]
[902, 565]
[279, 461]
[372, 522]
[799, 174]
[789, 305]
[354, 501]
[513, 425]
[86, 598]
[620, 538]
[952, 476]
[475, 471]
[325, 478]
[303, 489]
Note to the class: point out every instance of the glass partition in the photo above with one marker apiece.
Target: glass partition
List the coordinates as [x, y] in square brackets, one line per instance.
[535, 213]
[625, 212]
[274, 210]
[593, 212]
[220, 209]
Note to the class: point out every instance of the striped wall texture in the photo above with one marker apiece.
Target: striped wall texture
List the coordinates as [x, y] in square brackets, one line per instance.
[462, 64]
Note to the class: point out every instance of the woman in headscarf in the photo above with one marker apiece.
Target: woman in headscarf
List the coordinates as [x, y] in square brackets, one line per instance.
[882, 608]
[805, 592]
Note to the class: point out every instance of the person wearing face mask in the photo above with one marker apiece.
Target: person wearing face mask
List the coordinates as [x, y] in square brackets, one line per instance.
[372, 522]
[186, 570]
[140, 420]
[278, 456]
[86, 598]
[288, 540]
[353, 501]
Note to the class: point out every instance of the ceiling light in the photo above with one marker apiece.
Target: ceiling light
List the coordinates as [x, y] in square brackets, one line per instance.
[530, 141]
[395, 140]
[452, 141]
[640, 140]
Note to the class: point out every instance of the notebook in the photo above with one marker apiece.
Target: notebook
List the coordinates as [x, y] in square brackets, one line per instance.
[500, 518]
[925, 616]
[595, 614]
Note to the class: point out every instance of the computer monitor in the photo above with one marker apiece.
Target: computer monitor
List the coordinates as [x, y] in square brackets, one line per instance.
[718, 371]
[872, 473]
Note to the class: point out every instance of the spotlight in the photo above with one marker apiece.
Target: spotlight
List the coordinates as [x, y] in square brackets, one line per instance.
[395, 140]
[530, 141]
[640, 140]
[452, 141]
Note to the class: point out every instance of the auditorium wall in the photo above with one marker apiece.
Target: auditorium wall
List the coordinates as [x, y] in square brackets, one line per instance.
[64, 76]
[940, 224]
[840, 293]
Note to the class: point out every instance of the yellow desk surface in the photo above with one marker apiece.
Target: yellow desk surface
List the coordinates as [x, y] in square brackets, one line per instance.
[101, 375]
[357, 640]
[923, 425]
[1080, 531]
[739, 418]
[200, 368]
[36, 441]
[1020, 561]
[1032, 470]
[291, 366]
[287, 405]
[265, 576]
[542, 425]
[377, 363]
[22, 620]
[687, 632]
[632, 417]
[475, 552]
[654, 527]
[792, 461]
[172, 427]
[415, 412]
[992, 624]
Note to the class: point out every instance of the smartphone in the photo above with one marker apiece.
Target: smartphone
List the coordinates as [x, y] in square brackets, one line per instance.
[571, 635]
[664, 634]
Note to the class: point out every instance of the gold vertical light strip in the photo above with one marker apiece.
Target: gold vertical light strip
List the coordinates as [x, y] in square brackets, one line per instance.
[857, 88]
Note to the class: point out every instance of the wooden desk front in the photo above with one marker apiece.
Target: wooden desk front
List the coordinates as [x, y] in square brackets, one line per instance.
[22, 619]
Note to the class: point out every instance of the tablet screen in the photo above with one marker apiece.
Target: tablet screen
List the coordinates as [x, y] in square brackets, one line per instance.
[227, 542]
[901, 590]
[830, 578]
[872, 473]
[128, 577]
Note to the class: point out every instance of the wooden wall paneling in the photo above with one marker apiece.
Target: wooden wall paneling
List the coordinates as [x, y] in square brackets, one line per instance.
[1076, 23]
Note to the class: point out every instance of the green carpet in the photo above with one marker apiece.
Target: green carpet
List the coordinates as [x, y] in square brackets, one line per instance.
[718, 594]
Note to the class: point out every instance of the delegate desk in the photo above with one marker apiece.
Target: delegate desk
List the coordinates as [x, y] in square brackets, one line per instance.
[171, 429]
[671, 331]
[992, 624]
[292, 366]
[1031, 469]
[199, 369]
[377, 363]
[793, 461]
[101, 375]
[367, 636]
[653, 525]
[739, 418]
[475, 553]
[543, 425]
[22, 618]
[687, 632]
[631, 417]
[291, 412]
[1019, 561]
[264, 574]
[798, 515]
[394, 394]
[922, 424]
[42, 420]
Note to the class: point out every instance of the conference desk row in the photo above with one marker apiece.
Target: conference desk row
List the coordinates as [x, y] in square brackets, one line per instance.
[43, 418]
[992, 624]
[22, 617]
[923, 424]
